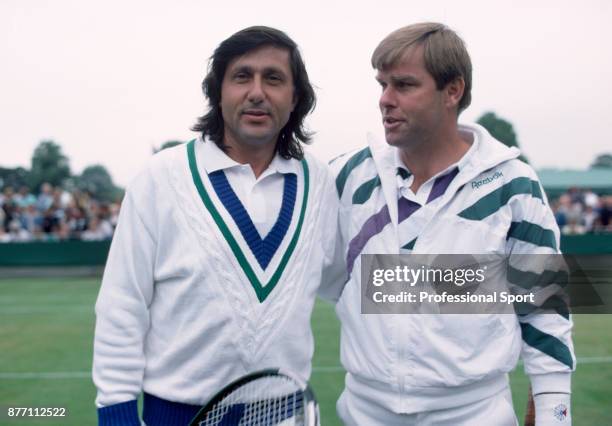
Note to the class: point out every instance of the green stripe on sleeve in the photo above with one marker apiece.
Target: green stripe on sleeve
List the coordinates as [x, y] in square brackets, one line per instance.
[527, 279]
[498, 198]
[536, 190]
[532, 233]
[353, 162]
[547, 344]
[364, 192]
[554, 303]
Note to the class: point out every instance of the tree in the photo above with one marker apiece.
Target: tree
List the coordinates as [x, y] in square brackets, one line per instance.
[15, 178]
[602, 161]
[49, 164]
[501, 130]
[167, 144]
[98, 183]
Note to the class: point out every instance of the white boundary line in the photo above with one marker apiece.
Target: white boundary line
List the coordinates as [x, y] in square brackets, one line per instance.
[46, 375]
[594, 360]
[45, 309]
[323, 369]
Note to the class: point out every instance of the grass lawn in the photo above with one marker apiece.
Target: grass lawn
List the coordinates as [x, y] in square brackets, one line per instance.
[46, 326]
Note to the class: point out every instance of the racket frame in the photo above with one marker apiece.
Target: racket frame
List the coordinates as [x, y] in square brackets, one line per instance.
[311, 407]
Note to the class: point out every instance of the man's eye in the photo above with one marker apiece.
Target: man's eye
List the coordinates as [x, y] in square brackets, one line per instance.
[241, 76]
[404, 85]
[275, 79]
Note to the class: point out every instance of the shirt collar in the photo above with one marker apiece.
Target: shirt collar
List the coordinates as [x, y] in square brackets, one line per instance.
[214, 159]
[463, 161]
[282, 165]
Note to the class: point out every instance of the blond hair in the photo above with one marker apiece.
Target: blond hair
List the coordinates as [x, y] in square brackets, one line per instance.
[446, 57]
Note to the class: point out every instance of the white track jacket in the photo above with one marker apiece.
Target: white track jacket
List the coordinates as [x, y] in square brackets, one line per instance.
[414, 363]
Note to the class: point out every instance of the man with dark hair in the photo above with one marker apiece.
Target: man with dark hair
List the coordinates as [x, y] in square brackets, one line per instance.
[220, 245]
[213, 124]
[439, 187]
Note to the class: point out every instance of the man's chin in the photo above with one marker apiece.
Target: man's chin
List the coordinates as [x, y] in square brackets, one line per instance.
[392, 140]
[401, 143]
[258, 139]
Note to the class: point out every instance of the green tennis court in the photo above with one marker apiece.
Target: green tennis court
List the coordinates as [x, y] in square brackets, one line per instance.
[46, 334]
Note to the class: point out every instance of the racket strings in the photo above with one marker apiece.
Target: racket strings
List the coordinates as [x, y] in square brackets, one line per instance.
[267, 401]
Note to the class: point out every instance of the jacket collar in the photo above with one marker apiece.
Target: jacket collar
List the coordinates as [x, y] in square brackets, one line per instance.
[486, 152]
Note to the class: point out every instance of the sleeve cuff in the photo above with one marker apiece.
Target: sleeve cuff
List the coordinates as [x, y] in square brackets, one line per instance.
[122, 414]
[553, 409]
[551, 383]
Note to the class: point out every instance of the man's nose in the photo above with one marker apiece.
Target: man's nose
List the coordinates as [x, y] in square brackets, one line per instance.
[387, 99]
[256, 90]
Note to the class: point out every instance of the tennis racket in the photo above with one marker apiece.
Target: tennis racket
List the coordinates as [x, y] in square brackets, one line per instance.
[265, 398]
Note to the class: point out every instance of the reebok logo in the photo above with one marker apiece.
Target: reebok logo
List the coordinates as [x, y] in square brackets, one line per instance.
[478, 183]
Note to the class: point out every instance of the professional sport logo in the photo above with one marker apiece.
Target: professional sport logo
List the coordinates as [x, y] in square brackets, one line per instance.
[560, 412]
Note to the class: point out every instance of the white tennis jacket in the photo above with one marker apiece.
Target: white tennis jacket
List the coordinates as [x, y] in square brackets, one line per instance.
[413, 363]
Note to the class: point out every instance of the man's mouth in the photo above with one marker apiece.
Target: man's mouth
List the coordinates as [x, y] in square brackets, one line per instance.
[391, 122]
[255, 112]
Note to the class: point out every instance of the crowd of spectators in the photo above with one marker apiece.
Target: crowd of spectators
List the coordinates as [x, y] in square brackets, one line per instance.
[53, 215]
[580, 211]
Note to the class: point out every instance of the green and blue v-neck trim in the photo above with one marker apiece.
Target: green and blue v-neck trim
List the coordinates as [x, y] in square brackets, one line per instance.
[265, 249]
[262, 248]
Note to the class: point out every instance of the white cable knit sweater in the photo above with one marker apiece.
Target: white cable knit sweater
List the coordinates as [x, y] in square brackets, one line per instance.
[177, 315]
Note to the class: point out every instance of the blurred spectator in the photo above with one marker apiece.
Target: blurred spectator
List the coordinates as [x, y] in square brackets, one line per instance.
[45, 198]
[114, 214]
[76, 219]
[29, 219]
[9, 209]
[575, 195]
[589, 218]
[97, 230]
[24, 198]
[591, 199]
[561, 208]
[2, 215]
[50, 222]
[604, 221]
[581, 211]
[573, 228]
[17, 233]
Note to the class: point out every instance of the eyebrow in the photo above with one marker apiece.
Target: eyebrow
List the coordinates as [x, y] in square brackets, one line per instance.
[404, 78]
[399, 79]
[266, 70]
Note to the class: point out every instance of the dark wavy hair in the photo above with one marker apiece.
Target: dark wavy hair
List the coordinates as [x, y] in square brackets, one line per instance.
[252, 38]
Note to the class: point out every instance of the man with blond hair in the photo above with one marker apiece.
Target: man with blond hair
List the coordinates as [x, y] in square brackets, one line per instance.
[437, 186]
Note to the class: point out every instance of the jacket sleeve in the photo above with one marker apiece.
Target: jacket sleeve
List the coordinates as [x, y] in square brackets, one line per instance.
[535, 265]
[122, 314]
[334, 273]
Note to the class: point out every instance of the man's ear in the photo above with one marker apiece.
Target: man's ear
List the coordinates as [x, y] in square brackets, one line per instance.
[454, 92]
